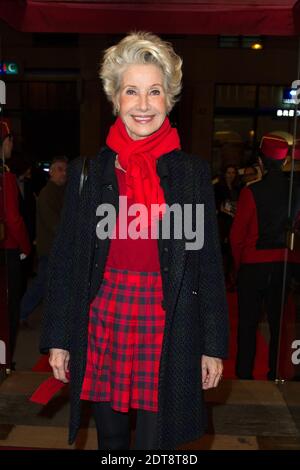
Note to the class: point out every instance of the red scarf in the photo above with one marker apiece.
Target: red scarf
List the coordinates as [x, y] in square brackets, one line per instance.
[138, 158]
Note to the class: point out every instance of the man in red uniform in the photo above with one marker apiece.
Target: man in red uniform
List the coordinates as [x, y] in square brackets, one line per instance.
[258, 240]
[14, 242]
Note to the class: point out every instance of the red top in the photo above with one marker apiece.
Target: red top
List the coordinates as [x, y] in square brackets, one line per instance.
[244, 234]
[16, 236]
[133, 255]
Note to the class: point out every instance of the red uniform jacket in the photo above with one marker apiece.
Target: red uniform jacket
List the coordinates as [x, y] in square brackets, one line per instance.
[16, 236]
[244, 234]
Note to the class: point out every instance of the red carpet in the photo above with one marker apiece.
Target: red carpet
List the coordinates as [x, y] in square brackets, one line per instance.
[42, 364]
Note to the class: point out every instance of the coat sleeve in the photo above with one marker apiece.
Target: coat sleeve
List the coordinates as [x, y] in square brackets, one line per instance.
[56, 316]
[212, 295]
[48, 212]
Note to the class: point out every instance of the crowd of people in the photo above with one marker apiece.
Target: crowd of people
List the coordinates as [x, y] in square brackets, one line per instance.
[30, 209]
[255, 211]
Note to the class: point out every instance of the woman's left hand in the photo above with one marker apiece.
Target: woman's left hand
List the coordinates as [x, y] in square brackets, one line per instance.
[212, 369]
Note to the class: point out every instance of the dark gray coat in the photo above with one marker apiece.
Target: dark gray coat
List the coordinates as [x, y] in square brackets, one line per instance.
[193, 288]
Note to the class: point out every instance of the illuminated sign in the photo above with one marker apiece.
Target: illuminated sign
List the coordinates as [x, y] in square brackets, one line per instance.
[289, 95]
[286, 113]
[8, 68]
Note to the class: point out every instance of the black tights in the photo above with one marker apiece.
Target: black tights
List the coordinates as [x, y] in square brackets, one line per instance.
[113, 428]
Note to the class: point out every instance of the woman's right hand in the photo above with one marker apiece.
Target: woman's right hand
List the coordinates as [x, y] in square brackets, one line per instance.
[59, 361]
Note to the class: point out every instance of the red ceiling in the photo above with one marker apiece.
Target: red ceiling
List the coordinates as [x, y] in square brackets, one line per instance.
[233, 17]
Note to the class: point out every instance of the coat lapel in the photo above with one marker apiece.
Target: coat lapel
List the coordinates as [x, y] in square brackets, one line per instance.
[177, 183]
[104, 185]
[104, 190]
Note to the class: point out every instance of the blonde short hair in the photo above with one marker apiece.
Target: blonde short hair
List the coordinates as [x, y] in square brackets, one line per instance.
[141, 48]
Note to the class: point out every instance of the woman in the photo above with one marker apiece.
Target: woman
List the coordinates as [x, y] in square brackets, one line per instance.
[137, 321]
[227, 190]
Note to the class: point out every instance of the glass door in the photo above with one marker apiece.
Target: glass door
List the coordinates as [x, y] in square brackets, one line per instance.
[288, 366]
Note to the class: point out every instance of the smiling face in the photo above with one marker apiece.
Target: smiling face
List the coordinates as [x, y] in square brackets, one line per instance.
[142, 100]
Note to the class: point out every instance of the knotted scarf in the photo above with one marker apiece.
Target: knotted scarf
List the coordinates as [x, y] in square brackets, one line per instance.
[138, 158]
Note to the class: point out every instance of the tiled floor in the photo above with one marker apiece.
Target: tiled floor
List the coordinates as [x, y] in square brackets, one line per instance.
[243, 416]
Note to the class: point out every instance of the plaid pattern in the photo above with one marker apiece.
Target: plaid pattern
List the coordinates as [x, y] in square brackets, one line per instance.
[126, 327]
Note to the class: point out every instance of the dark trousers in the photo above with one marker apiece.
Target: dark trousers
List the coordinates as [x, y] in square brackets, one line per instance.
[113, 428]
[258, 284]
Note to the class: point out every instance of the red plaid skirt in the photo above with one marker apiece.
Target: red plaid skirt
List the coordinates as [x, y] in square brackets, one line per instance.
[126, 327]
